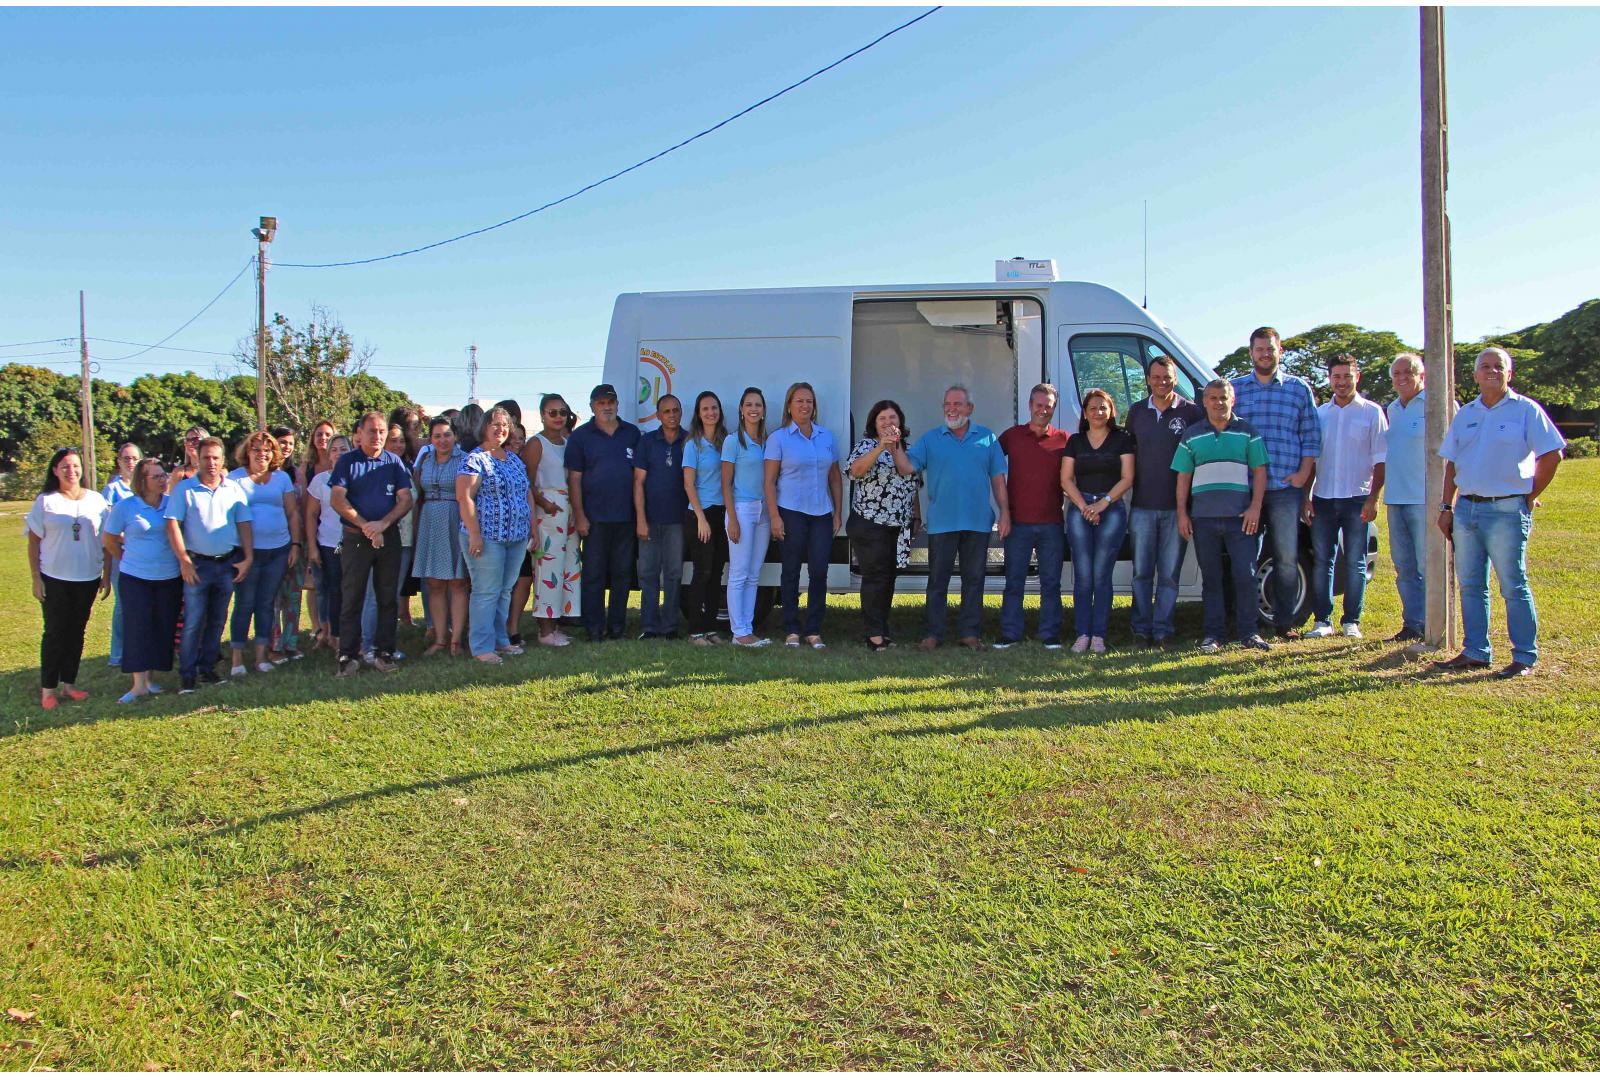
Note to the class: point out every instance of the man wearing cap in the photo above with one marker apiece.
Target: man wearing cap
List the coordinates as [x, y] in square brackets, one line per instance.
[600, 462]
[1500, 453]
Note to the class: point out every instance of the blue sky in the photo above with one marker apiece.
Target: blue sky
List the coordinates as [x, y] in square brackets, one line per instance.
[1278, 149]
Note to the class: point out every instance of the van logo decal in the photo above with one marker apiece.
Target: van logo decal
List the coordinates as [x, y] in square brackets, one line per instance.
[655, 381]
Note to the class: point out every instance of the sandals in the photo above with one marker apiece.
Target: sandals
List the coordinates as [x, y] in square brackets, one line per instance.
[792, 641]
[815, 641]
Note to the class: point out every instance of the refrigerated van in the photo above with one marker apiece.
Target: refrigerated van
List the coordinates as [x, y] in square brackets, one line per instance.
[857, 345]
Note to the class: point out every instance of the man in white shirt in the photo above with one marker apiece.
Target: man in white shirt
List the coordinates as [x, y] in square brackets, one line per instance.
[1344, 499]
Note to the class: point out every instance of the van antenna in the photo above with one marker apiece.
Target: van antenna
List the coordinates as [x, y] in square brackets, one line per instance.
[1146, 304]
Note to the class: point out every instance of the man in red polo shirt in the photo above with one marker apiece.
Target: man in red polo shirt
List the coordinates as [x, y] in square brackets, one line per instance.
[1033, 486]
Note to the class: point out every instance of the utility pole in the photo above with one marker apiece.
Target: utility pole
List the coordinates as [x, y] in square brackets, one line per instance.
[1438, 337]
[472, 374]
[263, 234]
[86, 399]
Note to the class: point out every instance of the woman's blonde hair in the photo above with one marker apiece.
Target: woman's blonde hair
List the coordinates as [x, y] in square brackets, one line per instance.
[788, 399]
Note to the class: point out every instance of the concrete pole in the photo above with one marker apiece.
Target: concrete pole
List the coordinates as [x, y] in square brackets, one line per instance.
[86, 399]
[1438, 338]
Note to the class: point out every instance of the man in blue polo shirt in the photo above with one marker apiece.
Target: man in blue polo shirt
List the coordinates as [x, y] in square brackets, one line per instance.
[1500, 453]
[370, 490]
[659, 503]
[599, 460]
[208, 526]
[1283, 410]
[963, 467]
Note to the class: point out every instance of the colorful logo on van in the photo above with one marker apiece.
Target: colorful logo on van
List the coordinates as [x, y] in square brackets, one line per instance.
[655, 381]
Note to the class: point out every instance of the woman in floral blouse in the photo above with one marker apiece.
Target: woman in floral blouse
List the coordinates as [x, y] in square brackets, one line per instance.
[883, 512]
[492, 491]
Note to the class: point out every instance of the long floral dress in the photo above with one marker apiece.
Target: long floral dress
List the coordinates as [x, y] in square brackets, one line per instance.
[556, 572]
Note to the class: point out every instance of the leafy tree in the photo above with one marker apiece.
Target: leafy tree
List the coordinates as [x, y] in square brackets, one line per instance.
[160, 408]
[40, 445]
[31, 397]
[314, 371]
[1308, 355]
[1567, 368]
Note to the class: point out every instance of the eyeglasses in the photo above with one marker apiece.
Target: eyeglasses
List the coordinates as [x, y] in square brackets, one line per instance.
[556, 413]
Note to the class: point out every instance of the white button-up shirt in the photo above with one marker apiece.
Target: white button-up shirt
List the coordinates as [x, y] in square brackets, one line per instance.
[1353, 441]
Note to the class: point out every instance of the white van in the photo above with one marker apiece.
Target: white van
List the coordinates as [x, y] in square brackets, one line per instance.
[858, 344]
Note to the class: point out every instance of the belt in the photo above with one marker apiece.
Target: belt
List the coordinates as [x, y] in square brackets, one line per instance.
[1490, 498]
[214, 558]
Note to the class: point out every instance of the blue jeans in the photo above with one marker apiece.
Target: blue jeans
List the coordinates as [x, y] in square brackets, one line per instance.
[943, 549]
[330, 590]
[1157, 558]
[1050, 542]
[1212, 537]
[493, 575]
[1280, 516]
[1338, 521]
[257, 597]
[808, 539]
[1094, 558]
[660, 576]
[1495, 534]
[1408, 547]
[115, 659]
[205, 611]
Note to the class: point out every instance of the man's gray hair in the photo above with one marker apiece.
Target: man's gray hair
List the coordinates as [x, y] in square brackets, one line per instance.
[1495, 350]
[1218, 384]
[1407, 359]
[961, 387]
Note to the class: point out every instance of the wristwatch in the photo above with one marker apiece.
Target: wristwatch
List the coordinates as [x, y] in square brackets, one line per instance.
[1447, 508]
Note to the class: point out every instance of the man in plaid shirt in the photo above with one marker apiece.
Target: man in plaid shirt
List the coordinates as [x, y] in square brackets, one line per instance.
[1283, 409]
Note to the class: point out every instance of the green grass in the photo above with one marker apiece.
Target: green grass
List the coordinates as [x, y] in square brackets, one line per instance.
[652, 855]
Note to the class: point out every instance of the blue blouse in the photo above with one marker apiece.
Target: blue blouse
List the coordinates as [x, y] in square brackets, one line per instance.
[504, 512]
[706, 461]
[146, 553]
[749, 478]
[269, 520]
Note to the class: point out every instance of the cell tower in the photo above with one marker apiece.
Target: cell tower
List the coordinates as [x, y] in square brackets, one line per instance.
[472, 374]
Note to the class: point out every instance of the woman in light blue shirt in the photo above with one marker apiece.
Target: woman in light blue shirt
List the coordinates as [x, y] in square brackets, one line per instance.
[749, 527]
[705, 528]
[119, 488]
[275, 524]
[150, 582]
[804, 492]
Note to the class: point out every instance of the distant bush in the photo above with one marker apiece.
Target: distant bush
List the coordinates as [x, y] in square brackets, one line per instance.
[1583, 446]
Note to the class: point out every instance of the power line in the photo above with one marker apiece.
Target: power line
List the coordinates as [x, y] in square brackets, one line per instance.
[621, 172]
[167, 348]
[248, 264]
[30, 355]
[41, 341]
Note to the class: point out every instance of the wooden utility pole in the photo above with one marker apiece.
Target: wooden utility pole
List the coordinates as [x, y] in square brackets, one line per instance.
[1438, 337]
[86, 399]
[264, 234]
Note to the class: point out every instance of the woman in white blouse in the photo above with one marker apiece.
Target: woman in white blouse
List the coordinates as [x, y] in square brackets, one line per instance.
[69, 566]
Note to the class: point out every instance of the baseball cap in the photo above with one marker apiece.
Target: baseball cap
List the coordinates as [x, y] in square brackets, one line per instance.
[604, 390]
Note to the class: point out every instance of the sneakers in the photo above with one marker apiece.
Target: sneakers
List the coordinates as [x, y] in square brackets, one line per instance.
[347, 667]
[1256, 641]
[1005, 643]
[239, 671]
[1351, 630]
[265, 667]
[188, 686]
[753, 643]
[1324, 628]
[1082, 644]
[1404, 636]
[1210, 645]
[1051, 643]
[1097, 644]
[513, 649]
[211, 678]
[384, 664]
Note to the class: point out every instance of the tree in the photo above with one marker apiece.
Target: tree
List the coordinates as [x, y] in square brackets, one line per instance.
[312, 370]
[30, 398]
[1567, 367]
[1308, 355]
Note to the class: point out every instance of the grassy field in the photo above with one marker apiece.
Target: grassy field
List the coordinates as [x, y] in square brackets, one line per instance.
[652, 855]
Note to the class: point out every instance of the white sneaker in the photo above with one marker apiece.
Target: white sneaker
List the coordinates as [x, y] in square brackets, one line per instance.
[1322, 629]
[265, 667]
[1097, 645]
[238, 670]
[1351, 629]
[1082, 644]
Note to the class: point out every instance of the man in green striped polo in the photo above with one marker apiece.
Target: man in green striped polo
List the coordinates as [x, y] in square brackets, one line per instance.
[1222, 467]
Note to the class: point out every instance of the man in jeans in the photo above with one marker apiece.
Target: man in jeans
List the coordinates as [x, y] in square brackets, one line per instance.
[1500, 453]
[208, 525]
[1345, 498]
[599, 460]
[963, 466]
[1284, 411]
[660, 502]
[1404, 483]
[1157, 423]
[370, 490]
[1222, 465]
[1033, 489]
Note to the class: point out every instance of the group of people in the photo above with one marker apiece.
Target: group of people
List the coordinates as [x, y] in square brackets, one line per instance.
[482, 517]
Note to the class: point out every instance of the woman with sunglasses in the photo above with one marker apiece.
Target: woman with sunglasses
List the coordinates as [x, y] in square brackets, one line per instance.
[69, 565]
[557, 574]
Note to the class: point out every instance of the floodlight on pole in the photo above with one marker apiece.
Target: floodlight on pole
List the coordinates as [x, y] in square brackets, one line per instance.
[263, 234]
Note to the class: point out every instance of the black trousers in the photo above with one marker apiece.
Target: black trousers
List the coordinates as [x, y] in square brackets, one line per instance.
[608, 556]
[702, 598]
[875, 553]
[66, 612]
[358, 559]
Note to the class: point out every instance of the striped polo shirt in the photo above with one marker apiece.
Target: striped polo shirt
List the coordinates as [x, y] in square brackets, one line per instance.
[1221, 462]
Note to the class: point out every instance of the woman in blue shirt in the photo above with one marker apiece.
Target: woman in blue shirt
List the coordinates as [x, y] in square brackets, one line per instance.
[492, 490]
[804, 493]
[706, 527]
[749, 527]
[151, 585]
[275, 521]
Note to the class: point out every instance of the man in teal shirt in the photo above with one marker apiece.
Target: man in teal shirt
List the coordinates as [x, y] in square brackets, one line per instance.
[963, 467]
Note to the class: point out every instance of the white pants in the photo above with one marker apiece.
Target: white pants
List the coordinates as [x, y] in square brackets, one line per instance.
[744, 563]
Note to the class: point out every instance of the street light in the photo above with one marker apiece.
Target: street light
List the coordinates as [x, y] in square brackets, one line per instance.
[263, 234]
